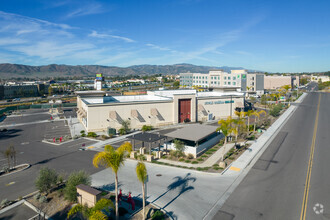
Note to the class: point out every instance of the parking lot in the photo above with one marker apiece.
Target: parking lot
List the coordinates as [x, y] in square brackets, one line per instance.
[56, 129]
[27, 141]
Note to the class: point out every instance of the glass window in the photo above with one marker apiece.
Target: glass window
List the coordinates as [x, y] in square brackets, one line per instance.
[225, 83]
[234, 77]
[228, 83]
[234, 83]
[211, 77]
[228, 77]
[225, 77]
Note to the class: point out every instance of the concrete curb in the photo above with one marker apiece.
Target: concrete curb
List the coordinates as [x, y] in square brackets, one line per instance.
[24, 164]
[35, 209]
[12, 206]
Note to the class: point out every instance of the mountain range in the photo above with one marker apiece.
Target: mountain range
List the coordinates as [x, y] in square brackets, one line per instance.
[8, 70]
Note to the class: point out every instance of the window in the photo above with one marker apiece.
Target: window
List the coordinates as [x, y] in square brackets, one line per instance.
[225, 83]
[203, 77]
[228, 83]
[234, 83]
[229, 77]
[211, 77]
[225, 77]
[234, 78]
[199, 77]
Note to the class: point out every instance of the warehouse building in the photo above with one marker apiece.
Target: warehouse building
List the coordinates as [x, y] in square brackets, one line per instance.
[98, 112]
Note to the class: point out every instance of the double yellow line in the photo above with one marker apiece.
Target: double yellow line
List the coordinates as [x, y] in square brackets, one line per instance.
[310, 165]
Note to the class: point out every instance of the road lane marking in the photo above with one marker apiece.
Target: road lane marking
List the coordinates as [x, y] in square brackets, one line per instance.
[235, 168]
[310, 165]
[11, 183]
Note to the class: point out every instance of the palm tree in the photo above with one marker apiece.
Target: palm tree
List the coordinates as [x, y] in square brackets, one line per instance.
[7, 154]
[114, 159]
[226, 130]
[260, 113]
[142, 175]
[238, 123]
[94, 213]
[248, 114]
[256, 115]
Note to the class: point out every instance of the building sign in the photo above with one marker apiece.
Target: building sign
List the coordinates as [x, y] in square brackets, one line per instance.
[243, 76]
[218, 102]
[99, 77]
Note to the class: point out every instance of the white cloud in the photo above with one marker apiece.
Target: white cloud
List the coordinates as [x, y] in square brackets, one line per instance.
[11, 41]
[89, 9]
[153, 46]
[51, 50]
[98, 35]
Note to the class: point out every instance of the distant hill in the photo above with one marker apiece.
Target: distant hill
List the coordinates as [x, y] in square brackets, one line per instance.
[8, 70]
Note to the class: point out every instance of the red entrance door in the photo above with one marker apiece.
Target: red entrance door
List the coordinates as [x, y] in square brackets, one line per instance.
[184, 110]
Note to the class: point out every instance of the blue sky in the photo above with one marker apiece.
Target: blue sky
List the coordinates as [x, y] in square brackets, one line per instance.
[274, 36]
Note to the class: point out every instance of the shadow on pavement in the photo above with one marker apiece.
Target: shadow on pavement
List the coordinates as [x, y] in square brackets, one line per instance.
[10, 133]
[52, 158]
[182, 184]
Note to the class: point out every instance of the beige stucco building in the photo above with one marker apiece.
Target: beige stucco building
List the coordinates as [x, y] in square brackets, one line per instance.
[275, 82]
[98, 112]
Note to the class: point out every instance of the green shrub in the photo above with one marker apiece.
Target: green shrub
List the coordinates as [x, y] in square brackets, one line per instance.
[46, 180]
[82, 132]
[91, 134]
[181, 159]
[199, 168]
[204, 156]
[215, 165]
[158, 215]
[194, 162]
[75, 178]
[200, 159]
[231, 158]
[190, 156]
[147, 128]
[208, 152]
[187, 161]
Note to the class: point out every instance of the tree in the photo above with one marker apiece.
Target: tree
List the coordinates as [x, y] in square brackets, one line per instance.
[114, 159]
[176, 84]
[7, 154]
[248, 114]
[75, 178]
[125, 127]
[239, 122]
[93, 213]
[142, 175]
[13, 154]
[263, 99]
[50, 90]
[179, 146]
[46, 180]
[226, 129]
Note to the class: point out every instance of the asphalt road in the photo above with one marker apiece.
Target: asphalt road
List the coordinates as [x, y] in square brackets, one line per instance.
[274, 187]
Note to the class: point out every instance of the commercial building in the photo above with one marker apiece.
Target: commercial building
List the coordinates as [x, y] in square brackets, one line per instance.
[98, 112]
[15, 91]
[250, 82]
[275, 82]
[320, 78]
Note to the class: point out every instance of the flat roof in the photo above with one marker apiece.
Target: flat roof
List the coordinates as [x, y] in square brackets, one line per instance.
[88, 189]
[147, 137]
[124, 98]
[193, 132]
